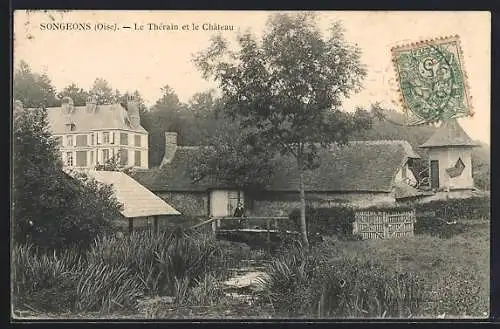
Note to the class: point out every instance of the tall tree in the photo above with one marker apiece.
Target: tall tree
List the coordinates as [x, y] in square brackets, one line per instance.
[230, 158]
[103, 91]
[290, 87]
[77, 94]
[165, 115]
[33, 89]
[51, 209]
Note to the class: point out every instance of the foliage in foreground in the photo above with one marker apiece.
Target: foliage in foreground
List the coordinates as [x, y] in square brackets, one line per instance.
[51, 209]
[298, 285]
[115, 273]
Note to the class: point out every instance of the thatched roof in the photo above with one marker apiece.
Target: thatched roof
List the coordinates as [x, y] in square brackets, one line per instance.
[359, 166]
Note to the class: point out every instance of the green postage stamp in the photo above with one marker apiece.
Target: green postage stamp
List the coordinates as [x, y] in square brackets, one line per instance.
[432, 80]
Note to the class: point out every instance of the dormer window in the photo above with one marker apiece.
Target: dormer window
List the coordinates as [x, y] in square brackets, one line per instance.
[70, 127]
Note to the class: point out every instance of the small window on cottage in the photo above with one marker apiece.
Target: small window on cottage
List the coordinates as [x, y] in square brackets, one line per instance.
[105, 137]
[137, 159]
[69, 158]
[123, 157]
[123, 138]
[81, 140]
[81, 158]
[137, 140]
[69, 140]
[105, 155]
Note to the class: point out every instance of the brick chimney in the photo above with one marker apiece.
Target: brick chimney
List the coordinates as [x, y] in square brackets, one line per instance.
[133, 112]
[170, 147]
[91, 104]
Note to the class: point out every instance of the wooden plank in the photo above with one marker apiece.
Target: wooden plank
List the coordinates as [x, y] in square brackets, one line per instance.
[253, 218]
[254, 230]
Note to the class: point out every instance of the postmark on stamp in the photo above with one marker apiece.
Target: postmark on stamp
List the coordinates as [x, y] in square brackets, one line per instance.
[432, 80]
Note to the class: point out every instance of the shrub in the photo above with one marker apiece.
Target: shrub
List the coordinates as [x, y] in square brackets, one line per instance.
[473, 208]
[362, 288]
[287, 277]
[298, 284]
[105, 288]
[207, 291]
[115, 272]
[45, 282]
[51, 209]
[326, 221]
[438, 227]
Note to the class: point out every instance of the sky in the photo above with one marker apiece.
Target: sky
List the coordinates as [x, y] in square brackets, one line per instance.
[146, 60]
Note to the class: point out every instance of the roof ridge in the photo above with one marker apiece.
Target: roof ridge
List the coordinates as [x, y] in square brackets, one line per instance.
[379, 141]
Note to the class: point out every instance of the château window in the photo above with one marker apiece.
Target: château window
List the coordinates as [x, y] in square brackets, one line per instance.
[92, 139]
[137, 161]
[81, 140]
[81, 158]
[59, 140]
[137, 139]
[69, 140]
[69, 159]
[105, 156]
[123, 138]
[123, 157]
[105, 138]
[91, 158]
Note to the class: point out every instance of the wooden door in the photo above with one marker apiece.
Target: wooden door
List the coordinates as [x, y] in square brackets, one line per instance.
[434, 174]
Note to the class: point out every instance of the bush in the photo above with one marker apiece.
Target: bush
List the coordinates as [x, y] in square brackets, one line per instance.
[326, 221]
[115, 272]
[287, 277]
[459, 209]
[438, 227]
[51, 209]
[45, 282]
[105, 288]
[363, 288]
[298, 284]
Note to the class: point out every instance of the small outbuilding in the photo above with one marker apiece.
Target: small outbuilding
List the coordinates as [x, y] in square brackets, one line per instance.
[450, 158]
[141, 207]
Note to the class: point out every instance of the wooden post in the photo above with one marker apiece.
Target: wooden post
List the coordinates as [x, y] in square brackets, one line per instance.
[130, 225]
[214, 226]
[268, 235]
[385, 221]
[155, 223]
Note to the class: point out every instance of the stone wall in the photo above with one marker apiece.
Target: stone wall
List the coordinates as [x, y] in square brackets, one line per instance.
[187, 203]
[281, 204]
[275, 203]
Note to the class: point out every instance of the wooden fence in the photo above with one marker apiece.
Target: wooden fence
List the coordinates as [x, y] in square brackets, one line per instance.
[384, 224]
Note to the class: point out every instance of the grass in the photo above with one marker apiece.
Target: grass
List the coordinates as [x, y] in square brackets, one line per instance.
[146, 276]
[455, 270]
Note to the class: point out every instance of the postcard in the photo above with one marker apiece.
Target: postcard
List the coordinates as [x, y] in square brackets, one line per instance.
[250, 165]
